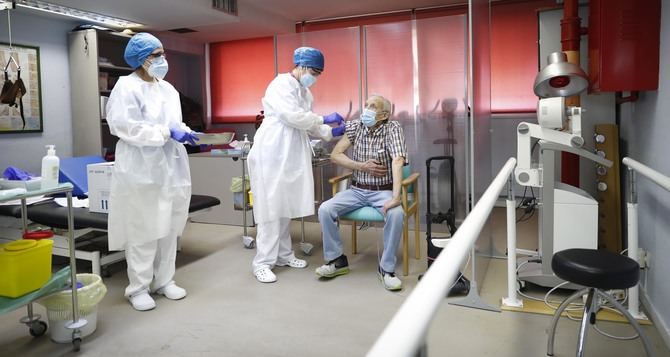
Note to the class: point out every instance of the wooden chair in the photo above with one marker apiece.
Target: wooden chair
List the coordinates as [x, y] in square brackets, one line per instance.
[409, 185]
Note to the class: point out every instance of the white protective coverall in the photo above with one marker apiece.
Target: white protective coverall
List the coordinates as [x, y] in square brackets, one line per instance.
[280, 167]
[151, 181]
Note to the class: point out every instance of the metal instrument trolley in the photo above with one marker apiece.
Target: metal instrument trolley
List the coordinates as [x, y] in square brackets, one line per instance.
[57, 282]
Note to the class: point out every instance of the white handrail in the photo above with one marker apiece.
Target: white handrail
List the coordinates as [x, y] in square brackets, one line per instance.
[406, 331]
[632, 219]
[657, 177]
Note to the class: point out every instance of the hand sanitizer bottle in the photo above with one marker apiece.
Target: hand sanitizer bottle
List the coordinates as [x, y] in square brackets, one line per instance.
[246, 145]
[50, 166]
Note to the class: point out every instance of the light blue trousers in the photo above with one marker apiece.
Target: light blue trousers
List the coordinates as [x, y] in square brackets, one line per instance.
[350, 200]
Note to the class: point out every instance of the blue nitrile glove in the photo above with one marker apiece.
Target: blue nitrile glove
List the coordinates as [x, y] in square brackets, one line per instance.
[332, 118]
[338, 130]
[14, 173]
[183, 136]
[192, 138]
[178, 134]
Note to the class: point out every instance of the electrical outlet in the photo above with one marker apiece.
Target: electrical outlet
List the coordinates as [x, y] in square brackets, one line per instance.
[643, 258]
[618, 294]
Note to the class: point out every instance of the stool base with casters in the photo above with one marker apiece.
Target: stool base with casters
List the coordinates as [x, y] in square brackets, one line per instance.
[598, 271]
[590, 310]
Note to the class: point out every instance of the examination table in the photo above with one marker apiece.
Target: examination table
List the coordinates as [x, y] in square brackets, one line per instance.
[86, 224]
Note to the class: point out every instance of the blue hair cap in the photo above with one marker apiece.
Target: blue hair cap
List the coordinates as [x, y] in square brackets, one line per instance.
[308, 57]
[139, 48]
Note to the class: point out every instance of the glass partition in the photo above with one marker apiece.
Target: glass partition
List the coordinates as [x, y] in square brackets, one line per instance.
[420, 66]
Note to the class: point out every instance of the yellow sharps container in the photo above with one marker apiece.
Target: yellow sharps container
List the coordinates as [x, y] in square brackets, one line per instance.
[25, 266]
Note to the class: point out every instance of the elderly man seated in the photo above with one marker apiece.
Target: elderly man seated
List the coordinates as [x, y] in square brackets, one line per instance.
[379, 153]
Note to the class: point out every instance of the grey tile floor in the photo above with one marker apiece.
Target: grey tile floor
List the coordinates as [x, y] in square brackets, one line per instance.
[228, 313]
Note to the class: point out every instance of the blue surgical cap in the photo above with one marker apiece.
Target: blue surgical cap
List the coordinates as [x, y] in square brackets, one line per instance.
[308, 57]
[139, 48]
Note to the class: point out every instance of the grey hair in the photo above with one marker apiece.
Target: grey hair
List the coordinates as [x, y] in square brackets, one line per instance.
[386, 104]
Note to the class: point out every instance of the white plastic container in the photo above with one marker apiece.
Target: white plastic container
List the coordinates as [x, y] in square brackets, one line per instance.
[59, 308]
[50, 167]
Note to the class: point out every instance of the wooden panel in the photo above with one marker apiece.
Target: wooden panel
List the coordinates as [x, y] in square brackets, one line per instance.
[609, 190]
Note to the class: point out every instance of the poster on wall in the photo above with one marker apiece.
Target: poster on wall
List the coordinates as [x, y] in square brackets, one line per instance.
[20, 97]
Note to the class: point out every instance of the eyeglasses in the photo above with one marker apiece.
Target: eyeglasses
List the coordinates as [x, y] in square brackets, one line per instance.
[314, 72]
[156, 55]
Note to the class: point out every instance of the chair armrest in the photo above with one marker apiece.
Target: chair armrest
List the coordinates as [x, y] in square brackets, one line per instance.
[335, 181]
[404, 200]
[411, 179]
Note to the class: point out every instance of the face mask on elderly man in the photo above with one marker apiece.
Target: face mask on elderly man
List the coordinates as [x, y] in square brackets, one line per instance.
[368, 117]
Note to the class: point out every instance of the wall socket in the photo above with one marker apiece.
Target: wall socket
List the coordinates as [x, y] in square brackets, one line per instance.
[618, 294]
[643, 258]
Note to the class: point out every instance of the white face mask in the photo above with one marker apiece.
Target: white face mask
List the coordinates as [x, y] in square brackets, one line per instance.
[307, 80]
[158, 68]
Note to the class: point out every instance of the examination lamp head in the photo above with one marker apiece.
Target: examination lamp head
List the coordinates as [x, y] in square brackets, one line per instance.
[308, 57]
[139, 48]
[560, 78]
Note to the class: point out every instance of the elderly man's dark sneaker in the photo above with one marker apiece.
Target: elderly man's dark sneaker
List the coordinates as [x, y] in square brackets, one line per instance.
[335, 267]
[390, 281]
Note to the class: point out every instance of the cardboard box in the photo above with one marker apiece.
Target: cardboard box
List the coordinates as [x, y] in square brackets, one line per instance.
[99, 182]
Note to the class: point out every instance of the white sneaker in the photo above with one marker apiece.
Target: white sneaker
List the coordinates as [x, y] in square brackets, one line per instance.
[265, 275]
[172, 292]
[294, 263]
[142, 301]
[390, 281]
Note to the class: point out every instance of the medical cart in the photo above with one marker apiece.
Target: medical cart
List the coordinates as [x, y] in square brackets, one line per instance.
[58, 280]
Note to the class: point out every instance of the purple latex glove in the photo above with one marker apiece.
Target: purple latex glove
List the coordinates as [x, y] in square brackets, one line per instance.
[332, 118]
[338, 130]
[183, 136]
[16, 174]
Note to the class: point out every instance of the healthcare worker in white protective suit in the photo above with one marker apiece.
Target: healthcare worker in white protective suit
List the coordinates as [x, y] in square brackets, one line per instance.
[151, 182]
[280, 164]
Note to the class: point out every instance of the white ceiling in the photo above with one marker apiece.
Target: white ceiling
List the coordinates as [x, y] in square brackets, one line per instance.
[255, 18]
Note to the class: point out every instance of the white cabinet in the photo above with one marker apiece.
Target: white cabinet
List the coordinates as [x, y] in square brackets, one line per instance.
[211, 175]
[96, 62]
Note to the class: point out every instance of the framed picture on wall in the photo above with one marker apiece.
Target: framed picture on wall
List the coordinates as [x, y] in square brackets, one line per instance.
[21, 94]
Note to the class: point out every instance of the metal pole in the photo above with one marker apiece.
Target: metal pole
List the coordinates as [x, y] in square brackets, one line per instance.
[243, 159]
[633, 243]
[512, 298]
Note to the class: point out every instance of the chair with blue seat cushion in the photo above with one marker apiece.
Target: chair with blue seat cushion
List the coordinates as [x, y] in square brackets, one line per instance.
[409, 204]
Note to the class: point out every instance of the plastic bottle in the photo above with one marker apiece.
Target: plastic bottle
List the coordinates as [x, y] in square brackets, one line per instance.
[246, 145]
[50, 166]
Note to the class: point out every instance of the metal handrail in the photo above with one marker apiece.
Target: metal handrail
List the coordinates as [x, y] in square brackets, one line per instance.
[657, 177]
[632, 218]
[405, 333]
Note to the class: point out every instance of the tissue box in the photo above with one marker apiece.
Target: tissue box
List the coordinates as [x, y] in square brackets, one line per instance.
[33, 184]
[99, 182]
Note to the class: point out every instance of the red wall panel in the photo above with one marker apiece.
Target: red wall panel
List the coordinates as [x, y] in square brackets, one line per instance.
[239, 73]
[514, 53]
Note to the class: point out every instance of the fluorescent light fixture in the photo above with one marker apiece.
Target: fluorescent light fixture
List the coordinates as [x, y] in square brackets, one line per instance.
[76, 13]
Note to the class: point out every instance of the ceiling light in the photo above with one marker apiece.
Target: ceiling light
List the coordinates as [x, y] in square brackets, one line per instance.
[560, 78]
[76, 13]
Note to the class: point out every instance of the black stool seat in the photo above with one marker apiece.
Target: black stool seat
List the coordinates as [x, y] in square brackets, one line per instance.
[596, 268]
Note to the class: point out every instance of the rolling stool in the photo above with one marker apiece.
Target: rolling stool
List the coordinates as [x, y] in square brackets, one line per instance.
[597, 270]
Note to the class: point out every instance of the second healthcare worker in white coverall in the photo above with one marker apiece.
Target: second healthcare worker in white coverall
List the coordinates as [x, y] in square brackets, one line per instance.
[151, 182]
[280, 165]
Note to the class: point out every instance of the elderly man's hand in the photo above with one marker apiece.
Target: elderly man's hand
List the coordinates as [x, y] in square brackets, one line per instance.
[373, 168]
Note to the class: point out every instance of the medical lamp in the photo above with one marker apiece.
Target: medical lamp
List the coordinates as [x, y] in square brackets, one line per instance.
[559, 78]
[558, 123]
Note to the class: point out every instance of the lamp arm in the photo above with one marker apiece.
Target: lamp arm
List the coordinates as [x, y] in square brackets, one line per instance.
[524, 173]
